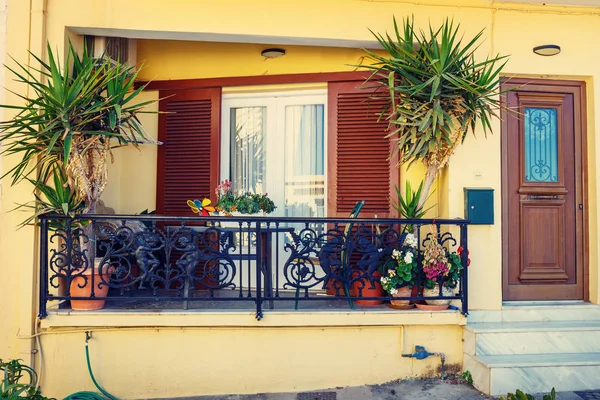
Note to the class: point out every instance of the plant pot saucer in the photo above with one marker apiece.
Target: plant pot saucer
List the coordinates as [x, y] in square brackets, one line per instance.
[402, 307]
[431, 307]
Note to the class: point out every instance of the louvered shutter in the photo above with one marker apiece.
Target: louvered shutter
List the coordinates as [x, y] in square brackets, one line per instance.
[359, 168]
[188, 160]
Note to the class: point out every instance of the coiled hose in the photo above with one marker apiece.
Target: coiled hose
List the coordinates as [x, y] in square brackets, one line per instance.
[90, 395]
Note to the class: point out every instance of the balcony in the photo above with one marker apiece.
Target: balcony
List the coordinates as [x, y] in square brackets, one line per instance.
[150, 263]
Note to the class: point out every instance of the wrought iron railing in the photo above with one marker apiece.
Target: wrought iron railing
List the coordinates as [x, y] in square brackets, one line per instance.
[163, 262]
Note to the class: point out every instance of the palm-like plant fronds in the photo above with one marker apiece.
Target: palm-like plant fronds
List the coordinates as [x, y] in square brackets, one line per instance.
[437, 91]
[407, 205]
[58, 197]
[75, 115]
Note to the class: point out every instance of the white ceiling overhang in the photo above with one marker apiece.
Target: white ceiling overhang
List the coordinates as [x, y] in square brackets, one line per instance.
[226, 37]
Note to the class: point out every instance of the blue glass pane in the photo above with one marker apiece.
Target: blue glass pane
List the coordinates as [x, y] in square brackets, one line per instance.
[541, 145]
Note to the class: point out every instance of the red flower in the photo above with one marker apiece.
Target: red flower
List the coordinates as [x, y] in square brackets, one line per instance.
[460, 251]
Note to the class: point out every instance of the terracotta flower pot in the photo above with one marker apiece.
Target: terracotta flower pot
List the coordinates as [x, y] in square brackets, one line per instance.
[446, 291]
[368, 291]
[405, 291]
[334, 287]
[81, 286]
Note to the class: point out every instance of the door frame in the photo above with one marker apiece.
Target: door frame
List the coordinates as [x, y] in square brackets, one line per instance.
[578, 90]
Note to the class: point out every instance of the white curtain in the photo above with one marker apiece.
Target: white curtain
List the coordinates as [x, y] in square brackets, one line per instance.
[304, 161]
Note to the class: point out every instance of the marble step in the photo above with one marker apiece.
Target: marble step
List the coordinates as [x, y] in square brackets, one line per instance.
[504, 338]
[538, 311]
[534, 373]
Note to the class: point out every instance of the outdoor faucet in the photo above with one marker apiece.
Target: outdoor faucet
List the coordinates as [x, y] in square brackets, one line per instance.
[421, 354]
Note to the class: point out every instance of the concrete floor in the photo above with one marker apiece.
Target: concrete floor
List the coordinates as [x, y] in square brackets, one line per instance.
[413, 389]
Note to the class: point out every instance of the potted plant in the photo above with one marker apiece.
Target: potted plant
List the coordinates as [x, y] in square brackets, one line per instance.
[400, 272]
[73, 118]
[437, 90]
[442, 270]
[232, 203]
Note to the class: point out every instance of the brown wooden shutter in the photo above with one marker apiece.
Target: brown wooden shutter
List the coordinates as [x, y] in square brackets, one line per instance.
[188, 160]
[359, 168]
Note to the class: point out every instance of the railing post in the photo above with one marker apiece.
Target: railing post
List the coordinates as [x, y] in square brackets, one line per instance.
[43, 313]
[465, 261]
[260, 269]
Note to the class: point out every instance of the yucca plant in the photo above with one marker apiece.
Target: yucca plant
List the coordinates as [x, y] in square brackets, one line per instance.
[58, 197]
[407, 205]
[437, 91]
[74, 115]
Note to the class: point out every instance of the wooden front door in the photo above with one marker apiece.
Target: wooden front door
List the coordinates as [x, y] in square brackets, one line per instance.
[543, 202]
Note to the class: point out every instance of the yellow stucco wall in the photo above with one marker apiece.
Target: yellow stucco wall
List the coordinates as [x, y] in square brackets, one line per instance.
[510, 29]
[166, 362]
[22, 29]
[209, 59]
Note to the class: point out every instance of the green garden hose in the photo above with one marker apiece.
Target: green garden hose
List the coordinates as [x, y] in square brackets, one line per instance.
[90, 395]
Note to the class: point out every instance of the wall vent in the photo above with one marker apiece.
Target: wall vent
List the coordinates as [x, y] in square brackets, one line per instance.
[115, 48]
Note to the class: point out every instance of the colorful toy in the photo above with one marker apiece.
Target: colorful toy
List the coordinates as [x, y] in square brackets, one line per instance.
[202, 208]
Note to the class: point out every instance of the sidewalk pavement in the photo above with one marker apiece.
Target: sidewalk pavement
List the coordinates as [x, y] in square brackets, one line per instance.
[417, 389]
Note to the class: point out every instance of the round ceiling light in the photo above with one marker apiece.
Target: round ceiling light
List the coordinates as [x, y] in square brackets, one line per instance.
[272, 53]
[547, 50]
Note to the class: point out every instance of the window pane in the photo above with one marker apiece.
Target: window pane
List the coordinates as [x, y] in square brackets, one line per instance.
[304, 161]
[248, 130]
[541, 145]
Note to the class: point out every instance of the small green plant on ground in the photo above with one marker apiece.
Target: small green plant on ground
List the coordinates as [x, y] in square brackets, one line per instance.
[466, 375]
[18, 381]
[519, 395]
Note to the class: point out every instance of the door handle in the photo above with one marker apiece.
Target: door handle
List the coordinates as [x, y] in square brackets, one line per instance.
[581, 207]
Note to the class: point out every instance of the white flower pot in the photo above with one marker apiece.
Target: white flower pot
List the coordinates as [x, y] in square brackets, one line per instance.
[446, 291]
[236, 224]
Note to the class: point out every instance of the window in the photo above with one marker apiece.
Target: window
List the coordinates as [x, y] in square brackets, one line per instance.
[314, 152]
[275, 144]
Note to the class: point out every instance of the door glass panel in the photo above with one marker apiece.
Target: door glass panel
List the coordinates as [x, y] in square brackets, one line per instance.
[248, 163]
[541, 145]
[304, 180]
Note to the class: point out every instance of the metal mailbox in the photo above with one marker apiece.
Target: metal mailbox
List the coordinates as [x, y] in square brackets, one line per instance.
[479, 205]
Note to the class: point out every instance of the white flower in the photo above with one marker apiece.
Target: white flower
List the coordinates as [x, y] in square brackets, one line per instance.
[408, 257]
[393, 291]
[395, 254]
[383, 280]
[411, 240]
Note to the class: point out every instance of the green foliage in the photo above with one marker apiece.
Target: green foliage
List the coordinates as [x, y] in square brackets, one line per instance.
[434, 82]
[245, 202]
[74, 115]
[466, 375]
[251, 203]
[408, 205]
[59, 197]
[401, 269]
[18, 381]
[456, 269]
[519, 395]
